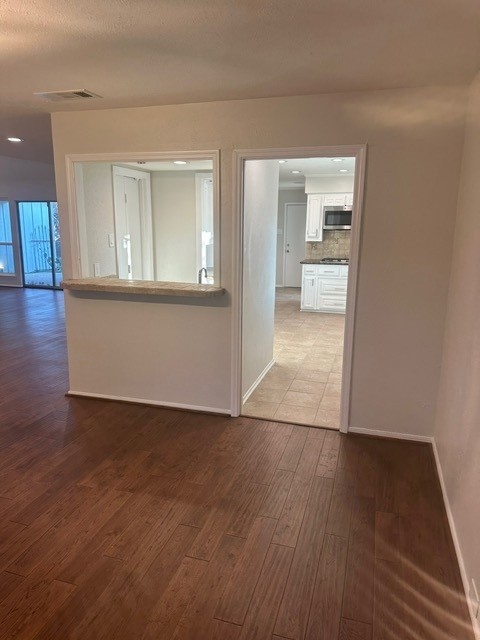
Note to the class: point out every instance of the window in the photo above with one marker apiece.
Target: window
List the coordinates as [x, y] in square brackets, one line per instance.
[7, 263]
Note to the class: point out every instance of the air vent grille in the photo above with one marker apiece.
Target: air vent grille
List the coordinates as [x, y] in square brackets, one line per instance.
[73, 94]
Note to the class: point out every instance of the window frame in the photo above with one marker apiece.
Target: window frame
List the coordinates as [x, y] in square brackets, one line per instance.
[11, 243]
[75, 222]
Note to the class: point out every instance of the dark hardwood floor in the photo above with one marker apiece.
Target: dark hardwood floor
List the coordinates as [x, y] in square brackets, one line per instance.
[123, 522]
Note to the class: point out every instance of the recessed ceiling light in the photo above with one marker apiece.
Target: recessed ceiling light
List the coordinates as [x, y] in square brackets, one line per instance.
[343, 170]
[15, 139]
[179, 162]
[282, 161]
[337, 159]
[296, 171]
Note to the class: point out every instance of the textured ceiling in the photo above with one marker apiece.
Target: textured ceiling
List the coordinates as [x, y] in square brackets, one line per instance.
[144, 52]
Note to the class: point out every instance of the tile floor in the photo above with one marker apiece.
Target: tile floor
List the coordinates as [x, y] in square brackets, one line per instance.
[304, 384]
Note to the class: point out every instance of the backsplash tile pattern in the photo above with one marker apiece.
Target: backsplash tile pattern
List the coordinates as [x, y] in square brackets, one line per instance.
[335, 244]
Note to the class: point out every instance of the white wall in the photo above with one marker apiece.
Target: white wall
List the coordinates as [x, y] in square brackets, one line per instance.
[23, 180]
[284, 196]
[97, 195]
[457, 429]
[414, 138]
[259, 256]
[329, 184]
[174, 212]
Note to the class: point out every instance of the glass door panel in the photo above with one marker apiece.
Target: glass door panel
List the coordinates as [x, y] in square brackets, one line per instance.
[40, 242]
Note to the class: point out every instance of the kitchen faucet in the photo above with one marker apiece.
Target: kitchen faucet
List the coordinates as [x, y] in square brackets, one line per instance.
[200, 274]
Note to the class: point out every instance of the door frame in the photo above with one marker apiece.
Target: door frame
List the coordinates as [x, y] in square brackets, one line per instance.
[288, 204]
[240, 156]
[146, 224]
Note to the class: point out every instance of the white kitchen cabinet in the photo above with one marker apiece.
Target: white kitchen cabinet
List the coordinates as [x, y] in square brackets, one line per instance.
[349, 200]
[324, 288]
[314, 226]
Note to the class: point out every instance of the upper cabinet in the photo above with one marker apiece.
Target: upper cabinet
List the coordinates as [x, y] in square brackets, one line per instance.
[315, 204]
[314, 228]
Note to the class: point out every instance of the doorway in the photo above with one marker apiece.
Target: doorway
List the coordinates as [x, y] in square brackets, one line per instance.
[40, 244]
[302, 364]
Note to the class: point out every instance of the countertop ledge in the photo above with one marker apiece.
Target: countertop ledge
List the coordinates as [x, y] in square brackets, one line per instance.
[320, 261]
[144, 287]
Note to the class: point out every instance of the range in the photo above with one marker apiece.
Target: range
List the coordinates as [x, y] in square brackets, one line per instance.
[335, 260]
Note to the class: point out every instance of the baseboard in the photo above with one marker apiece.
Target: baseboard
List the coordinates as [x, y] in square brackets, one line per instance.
[257, 381]
[456, 541]
[391, 434]
[149, 403]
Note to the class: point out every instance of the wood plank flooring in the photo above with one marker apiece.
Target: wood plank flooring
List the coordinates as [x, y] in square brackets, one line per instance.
[123, 522]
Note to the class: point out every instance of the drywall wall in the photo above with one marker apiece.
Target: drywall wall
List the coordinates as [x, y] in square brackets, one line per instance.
[174, 213]
[284, 196]
[414, 138]
[457, 429]
[260, 239]
[329, 184]
[95, 196]
[23, 180]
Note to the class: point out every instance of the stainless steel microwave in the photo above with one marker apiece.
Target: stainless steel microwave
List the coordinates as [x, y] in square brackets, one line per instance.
[337, 218]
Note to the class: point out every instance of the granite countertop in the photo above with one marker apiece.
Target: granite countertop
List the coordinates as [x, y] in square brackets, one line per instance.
[320, 261]
[144, 287]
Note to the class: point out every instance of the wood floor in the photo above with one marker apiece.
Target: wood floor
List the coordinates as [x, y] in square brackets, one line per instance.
[124, 522]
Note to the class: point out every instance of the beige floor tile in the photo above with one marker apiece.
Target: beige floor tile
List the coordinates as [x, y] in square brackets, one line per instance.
[335, 378]
[318, 366]
[312, 375]
[330, 403]
[260, 409]
[275, 382]
[263, 394]
[307, 386]
[300, 399]
[332, 389]
[291, 413]
[327, 419]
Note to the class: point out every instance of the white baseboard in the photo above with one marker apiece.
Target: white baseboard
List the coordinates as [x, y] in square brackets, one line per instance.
[391, 434]
[456, 541]
[257, 381]
[149, 403]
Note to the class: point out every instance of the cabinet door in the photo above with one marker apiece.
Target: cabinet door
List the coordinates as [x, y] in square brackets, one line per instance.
[309, 292]
[340, 199]
[349, 200]
[314, 230]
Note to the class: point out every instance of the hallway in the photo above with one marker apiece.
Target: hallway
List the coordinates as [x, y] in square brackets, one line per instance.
[127, 522]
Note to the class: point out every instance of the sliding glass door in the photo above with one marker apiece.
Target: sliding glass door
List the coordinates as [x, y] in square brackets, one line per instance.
[40, 243]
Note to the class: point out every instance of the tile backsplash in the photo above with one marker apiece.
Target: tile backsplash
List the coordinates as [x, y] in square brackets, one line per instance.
[335, 244]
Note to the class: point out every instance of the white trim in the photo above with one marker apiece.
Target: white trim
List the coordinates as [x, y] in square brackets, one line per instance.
[456, 541]
[143, 179]
[153, 403]
[258, 380]
[128, 156]
[359, 152]
[391, 434]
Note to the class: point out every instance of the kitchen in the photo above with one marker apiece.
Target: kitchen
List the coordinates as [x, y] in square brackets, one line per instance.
[315, 204]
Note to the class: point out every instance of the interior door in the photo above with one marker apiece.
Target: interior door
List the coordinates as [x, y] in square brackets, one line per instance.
[295, 221]
[128, 228]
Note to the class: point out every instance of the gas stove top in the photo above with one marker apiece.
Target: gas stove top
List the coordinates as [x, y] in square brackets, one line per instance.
[335, 260]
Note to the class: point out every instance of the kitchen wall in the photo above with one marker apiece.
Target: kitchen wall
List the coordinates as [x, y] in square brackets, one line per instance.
[95, 197]
[174, 212]
[284, 196]
[329, 184]
[457, 427]
[335, 244]
[260, 230]
[414, 138]
[23, 180]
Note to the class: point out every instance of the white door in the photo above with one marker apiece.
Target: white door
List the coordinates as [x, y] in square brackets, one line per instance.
[295, 221]
[128, 228]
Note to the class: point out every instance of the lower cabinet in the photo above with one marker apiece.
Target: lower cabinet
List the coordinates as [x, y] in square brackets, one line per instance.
[324, 288]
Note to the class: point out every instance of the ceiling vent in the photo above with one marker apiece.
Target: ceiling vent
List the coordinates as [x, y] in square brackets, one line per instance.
[74, 94]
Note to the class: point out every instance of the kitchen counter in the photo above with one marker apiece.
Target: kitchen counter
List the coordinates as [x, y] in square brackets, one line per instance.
[144, 287]
[320, 261]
